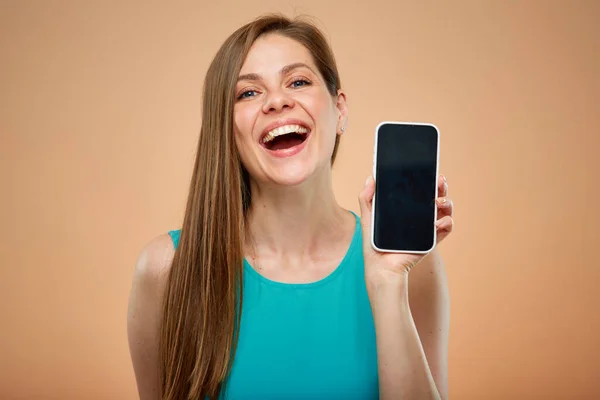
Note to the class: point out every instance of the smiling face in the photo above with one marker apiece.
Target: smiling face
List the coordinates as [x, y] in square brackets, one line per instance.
[285, 119]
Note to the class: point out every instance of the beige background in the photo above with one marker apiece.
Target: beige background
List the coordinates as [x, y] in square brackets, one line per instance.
[99, 115]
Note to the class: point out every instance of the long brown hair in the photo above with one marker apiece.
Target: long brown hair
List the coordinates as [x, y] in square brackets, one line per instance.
[202, 304]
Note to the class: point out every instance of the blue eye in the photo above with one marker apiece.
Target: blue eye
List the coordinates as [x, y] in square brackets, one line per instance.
[246, 94]
[300, 82]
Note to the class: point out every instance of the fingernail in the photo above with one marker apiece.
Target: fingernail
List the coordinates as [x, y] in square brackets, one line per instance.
[444, 178]
[367, 181]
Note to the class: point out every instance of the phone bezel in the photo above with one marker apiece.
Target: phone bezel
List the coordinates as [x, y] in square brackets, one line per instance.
[437, 172]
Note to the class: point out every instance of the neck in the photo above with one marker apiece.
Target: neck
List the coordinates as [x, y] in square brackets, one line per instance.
[294, 222]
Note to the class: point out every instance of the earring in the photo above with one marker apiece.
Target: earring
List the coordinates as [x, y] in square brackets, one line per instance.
[343, 129]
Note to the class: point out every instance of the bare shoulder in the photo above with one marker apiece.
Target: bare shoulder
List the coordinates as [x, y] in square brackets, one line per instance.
[144, 312]
[155, 258]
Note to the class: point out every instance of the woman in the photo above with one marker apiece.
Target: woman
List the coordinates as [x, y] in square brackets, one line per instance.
[270, 290]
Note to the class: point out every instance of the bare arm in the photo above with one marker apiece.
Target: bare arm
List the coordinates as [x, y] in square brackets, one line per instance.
[430, 307]
[412, 340]
[144, 313]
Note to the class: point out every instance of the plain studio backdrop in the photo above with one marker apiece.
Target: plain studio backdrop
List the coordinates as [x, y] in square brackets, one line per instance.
[99, 118]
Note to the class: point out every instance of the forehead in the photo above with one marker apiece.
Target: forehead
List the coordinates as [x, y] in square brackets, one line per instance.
[271, 52]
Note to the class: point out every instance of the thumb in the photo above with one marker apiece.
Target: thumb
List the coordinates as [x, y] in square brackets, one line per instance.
[365, 200]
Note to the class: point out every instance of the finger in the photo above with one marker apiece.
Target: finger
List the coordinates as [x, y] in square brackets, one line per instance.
[445, 207]
[442, 186]
[444, 227]
[365, 201]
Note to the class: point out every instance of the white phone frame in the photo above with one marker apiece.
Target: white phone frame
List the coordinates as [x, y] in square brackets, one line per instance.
[437, 172]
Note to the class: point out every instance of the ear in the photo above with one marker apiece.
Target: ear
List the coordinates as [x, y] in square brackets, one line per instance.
[342, 108]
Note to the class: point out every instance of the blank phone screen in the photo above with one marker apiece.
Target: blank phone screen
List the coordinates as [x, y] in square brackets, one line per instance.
[406, 179]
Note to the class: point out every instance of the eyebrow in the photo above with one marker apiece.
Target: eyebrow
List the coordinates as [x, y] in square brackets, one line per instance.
[285, 70]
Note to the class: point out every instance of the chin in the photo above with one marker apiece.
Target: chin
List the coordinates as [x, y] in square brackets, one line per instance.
[292, 174]
[290, 178]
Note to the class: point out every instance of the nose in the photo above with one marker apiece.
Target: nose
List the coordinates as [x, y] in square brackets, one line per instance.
[277, 101]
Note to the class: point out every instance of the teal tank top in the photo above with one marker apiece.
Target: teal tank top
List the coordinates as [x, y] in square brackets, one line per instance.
[306, 341]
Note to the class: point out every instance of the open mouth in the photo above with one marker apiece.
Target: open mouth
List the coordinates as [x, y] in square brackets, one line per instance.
[285, 137]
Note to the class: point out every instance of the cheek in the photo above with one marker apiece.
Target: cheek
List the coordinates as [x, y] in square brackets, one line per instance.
[328, 119]
[242, 119]
[327, 116]
[324, 110]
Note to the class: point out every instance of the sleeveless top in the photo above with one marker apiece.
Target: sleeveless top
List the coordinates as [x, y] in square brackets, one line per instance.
[306, 341]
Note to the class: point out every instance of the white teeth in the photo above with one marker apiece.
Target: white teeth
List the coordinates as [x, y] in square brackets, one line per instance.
[284, 130]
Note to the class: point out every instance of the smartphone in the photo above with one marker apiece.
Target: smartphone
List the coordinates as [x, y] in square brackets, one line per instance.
[405, 168]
